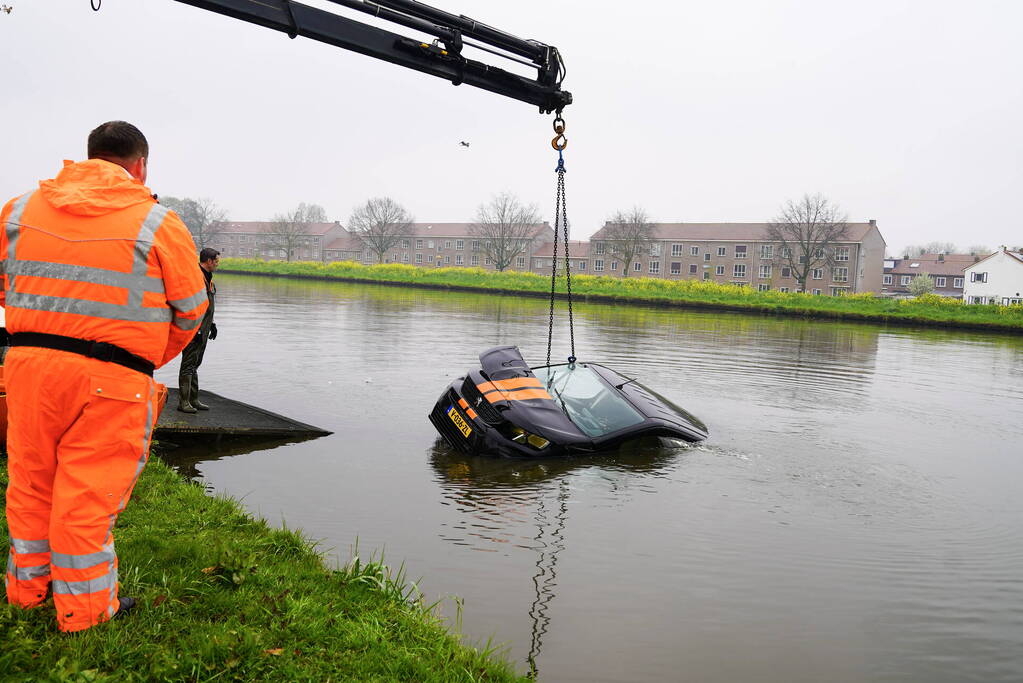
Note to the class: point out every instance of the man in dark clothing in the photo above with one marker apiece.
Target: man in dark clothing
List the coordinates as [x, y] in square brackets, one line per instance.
[191, 357]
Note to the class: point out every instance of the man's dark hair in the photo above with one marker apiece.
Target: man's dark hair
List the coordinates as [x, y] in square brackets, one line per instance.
[208, 254]
[117, 140]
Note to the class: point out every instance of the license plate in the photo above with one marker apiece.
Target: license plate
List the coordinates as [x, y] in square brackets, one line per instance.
[459, 422]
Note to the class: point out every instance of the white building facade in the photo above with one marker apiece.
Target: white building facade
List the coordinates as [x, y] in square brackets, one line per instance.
[997, 279]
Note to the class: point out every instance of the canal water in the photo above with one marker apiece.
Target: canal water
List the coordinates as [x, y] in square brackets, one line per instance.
[855, 516]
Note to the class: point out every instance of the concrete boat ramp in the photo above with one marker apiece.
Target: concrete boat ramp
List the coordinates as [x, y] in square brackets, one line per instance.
[227, 417]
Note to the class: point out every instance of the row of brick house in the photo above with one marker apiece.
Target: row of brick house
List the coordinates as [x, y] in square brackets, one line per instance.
[738, 253]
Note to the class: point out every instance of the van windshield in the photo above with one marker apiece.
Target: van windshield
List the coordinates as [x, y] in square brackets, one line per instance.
[592, 405]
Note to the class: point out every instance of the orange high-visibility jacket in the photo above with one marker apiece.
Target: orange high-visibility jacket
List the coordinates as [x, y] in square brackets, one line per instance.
[92, 255]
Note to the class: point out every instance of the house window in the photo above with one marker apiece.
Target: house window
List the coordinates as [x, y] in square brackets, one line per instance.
[676, 268]
[695, 251]
[655, 249]
[783, 289]
[474, 245]
[429, 244]
[957, 283]
[802, 259]
[940, 282]
[840, 275]
[740, 251]
[598, 248]
[405, 244]
[722, 251]
[818, 274]
[706, 257]
[765, 271]
[459, 260]
[819, 252]
[676, 250]
[459, 244]
[637, 266]
[839, 291]
[537, 263]
[692, 268]
[614, 265]
[598, 265]
[739, 270]
[582, 265]
[447, 244]
[978, 277]
[763, 288]
[429, 258]
[706, 275]
[766, 251]
[841, 253]
[404, 257]
[786, 272]
[816, 292]
[887, 279]
[487, 261]
[419, 244]
[719, 270]
[655, 267]
[786, 252]
[419, 258]
[447, 259]
[904, 280]
[520, 262]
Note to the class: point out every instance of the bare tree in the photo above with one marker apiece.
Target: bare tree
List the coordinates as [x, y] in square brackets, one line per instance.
[287, 231]
[505, 227]
[381, 223]
[980, 250]
[628, 235]
[807, 231]
[931, 248]
[202, 216]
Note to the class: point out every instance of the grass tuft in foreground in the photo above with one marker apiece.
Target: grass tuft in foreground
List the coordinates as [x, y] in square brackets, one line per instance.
[223, 596]
[929, 309]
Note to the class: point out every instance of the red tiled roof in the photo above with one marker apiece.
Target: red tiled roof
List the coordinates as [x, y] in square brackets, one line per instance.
[730, 232]
[950, 266]
[347, 242]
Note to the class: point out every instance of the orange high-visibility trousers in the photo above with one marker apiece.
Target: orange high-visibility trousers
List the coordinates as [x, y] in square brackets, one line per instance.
[79, 431]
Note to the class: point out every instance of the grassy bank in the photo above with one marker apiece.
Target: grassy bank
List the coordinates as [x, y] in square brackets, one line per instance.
[224, 597]
[926, 310]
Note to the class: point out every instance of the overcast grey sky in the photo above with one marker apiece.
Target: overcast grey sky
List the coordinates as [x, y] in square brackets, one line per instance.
[906, 111]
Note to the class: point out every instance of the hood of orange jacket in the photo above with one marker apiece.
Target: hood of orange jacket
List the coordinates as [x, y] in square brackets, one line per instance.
[93, 188]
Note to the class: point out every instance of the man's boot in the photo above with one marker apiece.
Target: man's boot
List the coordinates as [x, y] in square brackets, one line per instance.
[194, 395]
[185, 396]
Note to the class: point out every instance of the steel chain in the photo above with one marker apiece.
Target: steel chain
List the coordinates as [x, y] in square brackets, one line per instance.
[560, 221]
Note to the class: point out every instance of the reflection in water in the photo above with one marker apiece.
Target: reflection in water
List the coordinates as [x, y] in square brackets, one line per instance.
[189, 451]
[493, 492]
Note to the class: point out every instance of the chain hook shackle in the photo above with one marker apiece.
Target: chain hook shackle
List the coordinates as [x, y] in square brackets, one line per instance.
[559, 142]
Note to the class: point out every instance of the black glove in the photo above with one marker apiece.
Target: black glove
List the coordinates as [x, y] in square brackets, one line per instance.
[213, 330]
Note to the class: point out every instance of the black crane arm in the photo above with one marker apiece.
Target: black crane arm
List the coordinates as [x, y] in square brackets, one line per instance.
[443, 57]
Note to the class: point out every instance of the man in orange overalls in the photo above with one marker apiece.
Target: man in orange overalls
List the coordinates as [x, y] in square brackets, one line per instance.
[100, 287]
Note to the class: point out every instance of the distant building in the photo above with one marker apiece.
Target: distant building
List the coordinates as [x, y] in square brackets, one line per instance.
[578, 253]
[252, 239]
[436, 244]
[946, 270]
[995, 279]
[742, 254]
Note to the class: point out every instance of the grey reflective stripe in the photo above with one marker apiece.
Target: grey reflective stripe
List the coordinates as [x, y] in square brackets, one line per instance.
[68, 561]
[29, 573]
[143, 245]
[97, 309]
[85, 587]
[186, 305]
[183, 323]
[23, 547]
[98, 276]
[13, 230]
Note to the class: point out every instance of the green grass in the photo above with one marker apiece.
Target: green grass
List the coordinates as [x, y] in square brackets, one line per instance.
[925, 310]
[224, 597]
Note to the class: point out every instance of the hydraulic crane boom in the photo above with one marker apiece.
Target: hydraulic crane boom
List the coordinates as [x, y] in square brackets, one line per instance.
[443, 57]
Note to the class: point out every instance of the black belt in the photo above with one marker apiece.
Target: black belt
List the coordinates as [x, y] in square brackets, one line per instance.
[98, 350]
